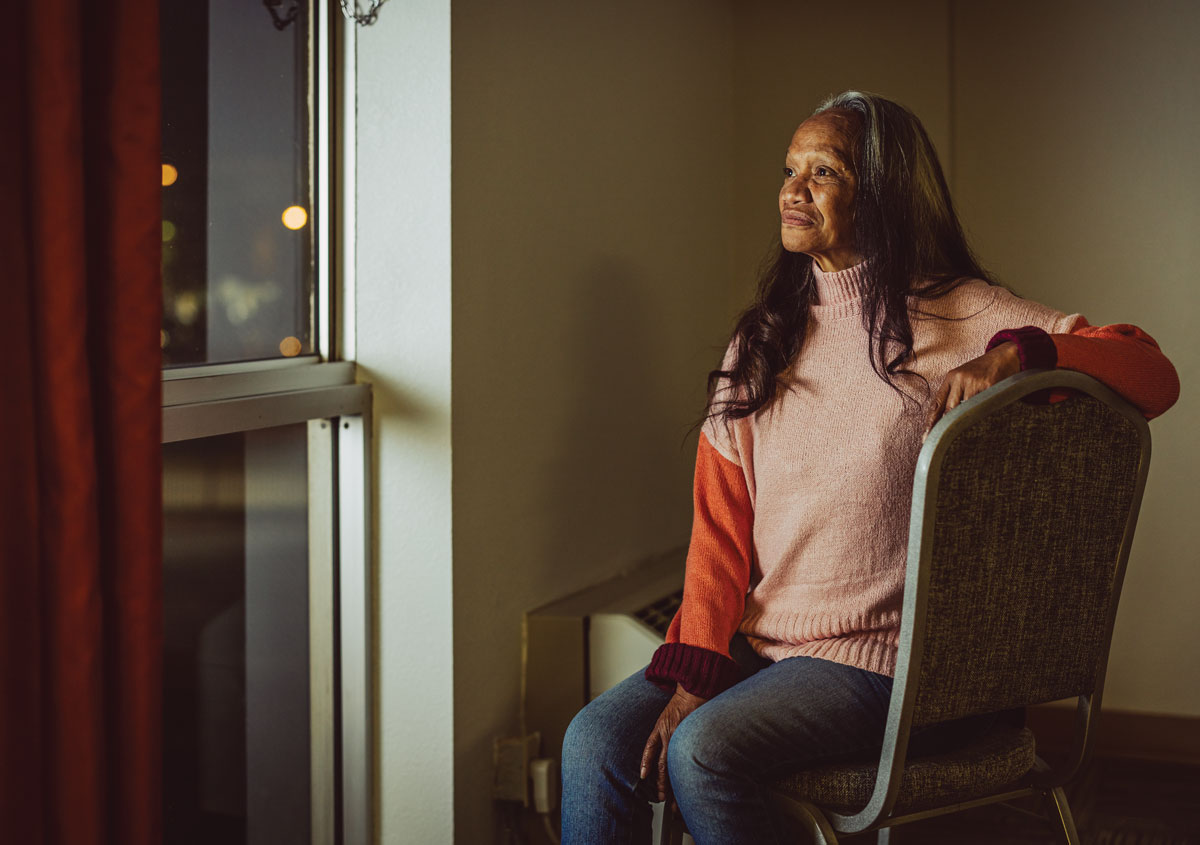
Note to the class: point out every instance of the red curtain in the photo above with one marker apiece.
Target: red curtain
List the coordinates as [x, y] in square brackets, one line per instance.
[80, 453]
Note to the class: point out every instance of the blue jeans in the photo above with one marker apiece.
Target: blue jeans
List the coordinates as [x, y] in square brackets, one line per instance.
[784, 716]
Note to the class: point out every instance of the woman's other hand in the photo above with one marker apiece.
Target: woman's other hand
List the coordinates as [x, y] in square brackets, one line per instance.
[654, 755]
[975, 376]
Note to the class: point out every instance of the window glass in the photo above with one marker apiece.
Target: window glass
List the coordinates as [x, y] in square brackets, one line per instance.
[237, 188]
[236, 682]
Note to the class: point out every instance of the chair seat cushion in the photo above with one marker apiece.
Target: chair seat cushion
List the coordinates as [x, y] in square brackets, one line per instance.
[998, 759]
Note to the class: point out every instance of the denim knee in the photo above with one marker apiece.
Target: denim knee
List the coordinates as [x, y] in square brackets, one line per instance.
[579, 743]
[693, 753]
[593, 744]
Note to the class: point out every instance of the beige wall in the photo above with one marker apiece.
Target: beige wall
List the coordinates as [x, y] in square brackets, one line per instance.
[591, 253]
[1077, 127]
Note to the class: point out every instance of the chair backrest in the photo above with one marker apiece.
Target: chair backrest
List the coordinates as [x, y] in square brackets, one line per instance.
[1022, 519]
[1023, 514]
[1026, 514]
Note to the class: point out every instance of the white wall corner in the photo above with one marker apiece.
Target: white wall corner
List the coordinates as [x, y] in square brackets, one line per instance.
[402, 321]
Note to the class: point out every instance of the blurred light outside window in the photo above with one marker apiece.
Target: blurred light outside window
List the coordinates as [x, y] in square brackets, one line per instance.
[238, 246]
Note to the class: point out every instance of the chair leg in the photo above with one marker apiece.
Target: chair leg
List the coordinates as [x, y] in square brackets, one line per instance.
[1070, 834]
[672, 826]
[813, 819]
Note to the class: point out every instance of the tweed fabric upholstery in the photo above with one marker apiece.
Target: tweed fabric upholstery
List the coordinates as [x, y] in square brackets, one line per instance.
[1000, 758]
[1031, 508]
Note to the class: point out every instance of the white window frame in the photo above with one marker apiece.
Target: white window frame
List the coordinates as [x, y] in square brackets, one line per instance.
[320, 390]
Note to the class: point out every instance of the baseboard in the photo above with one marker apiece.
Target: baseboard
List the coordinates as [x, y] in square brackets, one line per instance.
[1122, 734]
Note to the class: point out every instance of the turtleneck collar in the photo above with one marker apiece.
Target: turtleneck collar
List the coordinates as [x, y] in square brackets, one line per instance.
[838, 294]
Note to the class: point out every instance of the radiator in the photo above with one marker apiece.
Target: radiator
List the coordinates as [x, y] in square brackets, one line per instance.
[575, 648]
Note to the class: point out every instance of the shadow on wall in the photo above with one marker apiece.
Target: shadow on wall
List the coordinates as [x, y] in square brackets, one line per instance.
[400, 403]
[613, 466]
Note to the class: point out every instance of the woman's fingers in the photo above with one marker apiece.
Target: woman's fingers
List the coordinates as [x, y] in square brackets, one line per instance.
[655, 753]
[935, 410]
[662, 773]
[654, 759]
[970, 386]
[956, 395]
[650, 753]
[973, 377]
[939, 404]
[956, 388]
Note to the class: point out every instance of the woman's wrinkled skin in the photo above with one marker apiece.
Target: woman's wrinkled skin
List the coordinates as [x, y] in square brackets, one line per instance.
[816, 200]
[654, 755]
[975, 376]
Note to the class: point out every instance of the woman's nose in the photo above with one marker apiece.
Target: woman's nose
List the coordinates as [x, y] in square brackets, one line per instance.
[796, 190]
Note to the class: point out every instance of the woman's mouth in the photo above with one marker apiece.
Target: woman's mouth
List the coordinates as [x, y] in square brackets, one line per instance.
[795, 218]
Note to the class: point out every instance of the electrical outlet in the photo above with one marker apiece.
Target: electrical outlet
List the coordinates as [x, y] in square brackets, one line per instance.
[543, 774]
[511, 756]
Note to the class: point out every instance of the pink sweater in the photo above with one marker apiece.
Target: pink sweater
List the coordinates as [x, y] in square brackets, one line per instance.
[801, 512]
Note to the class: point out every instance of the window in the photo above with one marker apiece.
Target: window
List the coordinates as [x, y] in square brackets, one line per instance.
[266, 602]
[238, 251]
[236, 686]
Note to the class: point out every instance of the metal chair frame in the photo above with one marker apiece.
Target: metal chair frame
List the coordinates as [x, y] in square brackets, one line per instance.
[1042, 779]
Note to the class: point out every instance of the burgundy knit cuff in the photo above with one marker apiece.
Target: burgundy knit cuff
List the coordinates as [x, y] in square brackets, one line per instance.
[700, 671]
[1035, 348]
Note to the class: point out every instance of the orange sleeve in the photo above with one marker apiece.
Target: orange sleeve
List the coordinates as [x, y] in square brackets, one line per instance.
[1125, 359]
[718, 560]
[717, 575]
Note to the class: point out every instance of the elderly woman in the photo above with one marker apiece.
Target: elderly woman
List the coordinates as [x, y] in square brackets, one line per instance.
[873, 321]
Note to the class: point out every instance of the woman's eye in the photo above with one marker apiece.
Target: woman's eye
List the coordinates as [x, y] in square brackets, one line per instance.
[788, 173]
[824, 171]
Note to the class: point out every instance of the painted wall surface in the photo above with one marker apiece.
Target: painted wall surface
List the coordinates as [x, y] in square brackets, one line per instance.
[403, 338]
[1076, 127]
[592, 253]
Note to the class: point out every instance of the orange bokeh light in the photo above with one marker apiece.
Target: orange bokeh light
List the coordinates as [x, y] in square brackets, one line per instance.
[294, 217]
[170, 174]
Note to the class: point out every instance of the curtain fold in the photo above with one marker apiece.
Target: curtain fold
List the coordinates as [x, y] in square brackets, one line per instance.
[80, 524]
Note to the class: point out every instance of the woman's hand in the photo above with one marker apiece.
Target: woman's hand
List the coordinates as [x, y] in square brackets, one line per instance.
[654, 755]
[975, 376]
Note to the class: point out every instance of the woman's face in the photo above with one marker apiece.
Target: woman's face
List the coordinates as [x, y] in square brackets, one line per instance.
[816, 200]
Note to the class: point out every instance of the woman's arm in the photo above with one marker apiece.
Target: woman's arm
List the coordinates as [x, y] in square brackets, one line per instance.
[696, 653]
[1121, 356]
[695, 661]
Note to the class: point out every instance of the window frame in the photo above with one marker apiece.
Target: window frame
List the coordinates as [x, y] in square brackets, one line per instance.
[321, 390]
